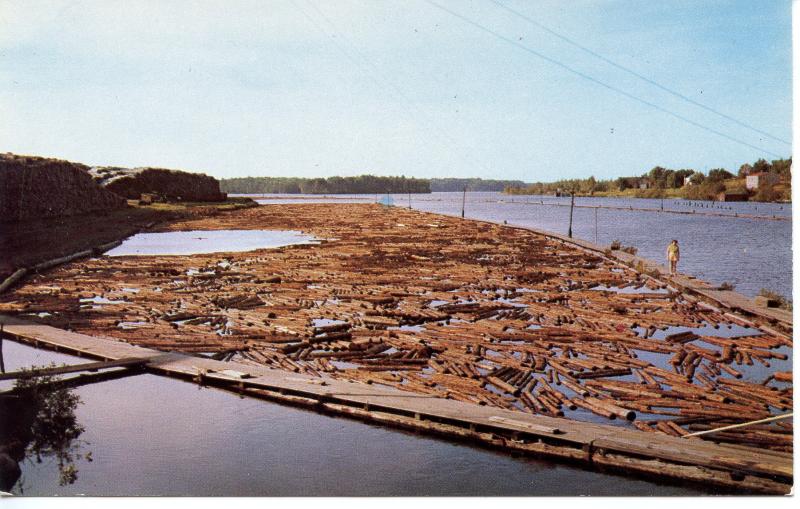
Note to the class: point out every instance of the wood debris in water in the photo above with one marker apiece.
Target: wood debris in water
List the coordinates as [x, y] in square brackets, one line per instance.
[459, 309]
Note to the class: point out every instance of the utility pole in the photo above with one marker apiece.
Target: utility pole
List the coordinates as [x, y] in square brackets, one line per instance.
[463, 202]
[571, 207]
[2, 363]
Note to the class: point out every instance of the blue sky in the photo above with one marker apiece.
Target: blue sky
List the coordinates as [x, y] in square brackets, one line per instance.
[319, 88]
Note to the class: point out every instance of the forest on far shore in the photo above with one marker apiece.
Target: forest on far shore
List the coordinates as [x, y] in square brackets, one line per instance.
[363, 184]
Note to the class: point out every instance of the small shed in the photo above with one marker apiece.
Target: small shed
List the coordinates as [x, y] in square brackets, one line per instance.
[723, 196]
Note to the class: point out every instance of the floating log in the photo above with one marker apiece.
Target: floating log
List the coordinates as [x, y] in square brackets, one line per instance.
[622, 413]
[501, 384]
[13, 279]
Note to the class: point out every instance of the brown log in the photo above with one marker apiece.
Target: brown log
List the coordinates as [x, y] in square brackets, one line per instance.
[622, 413]
[500, 384]
[594, 408]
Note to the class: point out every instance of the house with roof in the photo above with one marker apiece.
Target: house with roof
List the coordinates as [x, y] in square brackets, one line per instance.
[756, 180]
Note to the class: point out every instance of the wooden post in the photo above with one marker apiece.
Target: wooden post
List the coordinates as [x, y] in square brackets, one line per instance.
[409, 199]
[595, 224]
[463, 202]
[571, 207]
[2, 363]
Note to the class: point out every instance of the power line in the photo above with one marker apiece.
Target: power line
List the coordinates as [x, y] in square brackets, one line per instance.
[634, 73]
[403, 101]
[599, 82]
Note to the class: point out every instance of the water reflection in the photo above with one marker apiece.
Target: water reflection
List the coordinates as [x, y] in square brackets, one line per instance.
[37, 422]
[208, 241]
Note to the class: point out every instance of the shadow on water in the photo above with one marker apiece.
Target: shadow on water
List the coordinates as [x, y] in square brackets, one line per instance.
[38, 422]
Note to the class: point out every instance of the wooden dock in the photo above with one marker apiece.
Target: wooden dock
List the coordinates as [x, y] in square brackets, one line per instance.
[736, 468]
[91, 367]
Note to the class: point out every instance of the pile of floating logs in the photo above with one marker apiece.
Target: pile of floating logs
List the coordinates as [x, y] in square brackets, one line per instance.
[434, 305]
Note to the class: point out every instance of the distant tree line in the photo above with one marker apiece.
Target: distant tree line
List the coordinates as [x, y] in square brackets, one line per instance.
[363, 184]
[686, 183]
[472, 184]
[587, 186]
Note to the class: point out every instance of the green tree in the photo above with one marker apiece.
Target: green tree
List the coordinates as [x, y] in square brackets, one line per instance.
[745, 170]
[719, 174]
[589, 185]
[761, 166]
[782, 168]
[697, 178]
[658, 176]
[681, 176]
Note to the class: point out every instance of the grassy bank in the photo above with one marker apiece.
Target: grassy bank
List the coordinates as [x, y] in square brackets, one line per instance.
[778, 193]
[781, 193]
[193, 207]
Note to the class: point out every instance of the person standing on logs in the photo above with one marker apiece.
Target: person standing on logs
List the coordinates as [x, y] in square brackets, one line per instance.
[673, 255]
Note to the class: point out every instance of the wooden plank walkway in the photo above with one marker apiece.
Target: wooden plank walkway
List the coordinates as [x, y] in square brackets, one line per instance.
[734, 467]
[76, 368]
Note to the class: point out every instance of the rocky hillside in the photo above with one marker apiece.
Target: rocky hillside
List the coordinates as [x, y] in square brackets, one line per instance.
[37, 187]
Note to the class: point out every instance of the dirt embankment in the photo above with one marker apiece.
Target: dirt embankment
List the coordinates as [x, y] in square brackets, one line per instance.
[37, 187]
[173, 185]
[52, 208]
[26, 243]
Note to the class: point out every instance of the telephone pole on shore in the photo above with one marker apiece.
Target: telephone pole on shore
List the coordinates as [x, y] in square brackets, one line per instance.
[571, 207]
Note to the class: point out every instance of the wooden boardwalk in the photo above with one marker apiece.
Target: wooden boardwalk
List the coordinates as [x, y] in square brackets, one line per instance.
[741, 469]
[91, 367]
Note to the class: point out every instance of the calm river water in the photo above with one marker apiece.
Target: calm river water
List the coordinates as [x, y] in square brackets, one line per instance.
[150, 435]
[751, 254]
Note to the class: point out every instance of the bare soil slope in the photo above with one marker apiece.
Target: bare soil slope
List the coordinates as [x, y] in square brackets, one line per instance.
[37, 187]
